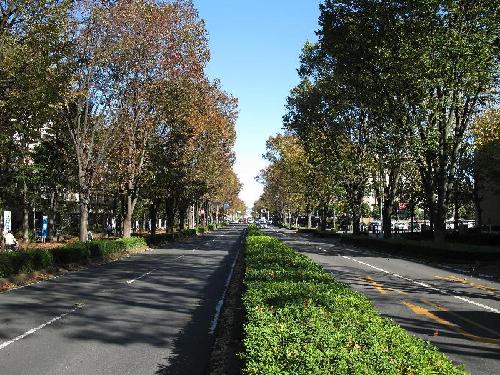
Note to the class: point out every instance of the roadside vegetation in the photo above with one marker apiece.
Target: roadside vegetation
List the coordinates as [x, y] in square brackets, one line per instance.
[31, 260]
[391, 121]
[300, 320]
[109, 122]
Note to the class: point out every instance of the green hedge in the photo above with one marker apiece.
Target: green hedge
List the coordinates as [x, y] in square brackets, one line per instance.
[26, 261]
[162, 238]
[445, 251]
[253, 230]
[201, 230]
[300, 320]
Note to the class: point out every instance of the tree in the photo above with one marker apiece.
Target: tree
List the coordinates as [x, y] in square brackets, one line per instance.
[486, 157]
[136, 35]
[33, 41]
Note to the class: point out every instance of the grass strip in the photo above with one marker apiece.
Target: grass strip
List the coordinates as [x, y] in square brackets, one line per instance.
[300, 320]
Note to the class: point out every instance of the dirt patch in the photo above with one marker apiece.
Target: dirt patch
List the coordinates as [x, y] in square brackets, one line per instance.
[225, 357]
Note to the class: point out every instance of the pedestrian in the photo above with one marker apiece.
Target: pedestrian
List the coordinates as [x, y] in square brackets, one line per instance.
[10, 241]
[109, 230]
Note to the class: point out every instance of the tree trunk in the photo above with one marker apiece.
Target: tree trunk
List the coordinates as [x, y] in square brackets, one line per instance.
[412, 216]
[130, 201]
[386, 218]
[323, 219]
[309, 220]
[441, 211]
[182, 217]
[52, 216]
[84, 217]
[191, 218]
[356, 221]
[153, 217]
[455, 215]
[357, 200]
[26, 225]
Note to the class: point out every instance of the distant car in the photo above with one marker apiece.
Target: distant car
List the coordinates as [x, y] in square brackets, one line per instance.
[262, 223]
[400, 226]
[250, 220]
[375, 226]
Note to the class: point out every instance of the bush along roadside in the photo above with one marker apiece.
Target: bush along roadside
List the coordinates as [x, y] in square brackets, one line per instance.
[31, 260]
[162, 238]
[27, 261]
[455, 251]
[300, 320]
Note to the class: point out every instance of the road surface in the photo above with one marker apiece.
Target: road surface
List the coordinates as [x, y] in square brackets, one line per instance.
[459, 314]
[149, 314]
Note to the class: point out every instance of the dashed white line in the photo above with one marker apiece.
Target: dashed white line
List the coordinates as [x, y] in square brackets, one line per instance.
[33, 330]
[140, 277]
[425, 285]
[218, 308]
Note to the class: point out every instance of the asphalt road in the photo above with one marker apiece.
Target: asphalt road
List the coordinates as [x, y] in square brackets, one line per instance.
[459, 314]
[149, 314]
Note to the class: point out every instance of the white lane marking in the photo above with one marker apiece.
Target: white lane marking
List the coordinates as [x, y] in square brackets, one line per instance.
[425, 285]
[33, 330]
[218, 308]
[140, 277]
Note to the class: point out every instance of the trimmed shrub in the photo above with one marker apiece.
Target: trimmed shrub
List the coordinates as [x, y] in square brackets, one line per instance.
[445, 251]
[71, 253]
[201, 230]
[253, 230]
[161, 238]
[132, 242]
[300, 320]
[212, 226]
[24, 261]
[189, 232]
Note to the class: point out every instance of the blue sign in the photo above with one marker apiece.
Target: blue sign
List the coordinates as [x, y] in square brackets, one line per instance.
[45, 227]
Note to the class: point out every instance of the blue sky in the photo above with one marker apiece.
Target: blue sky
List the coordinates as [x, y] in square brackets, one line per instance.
[255, 48]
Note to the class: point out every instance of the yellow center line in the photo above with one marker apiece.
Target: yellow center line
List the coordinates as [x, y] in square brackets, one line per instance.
[419, 310]
[381, 288]
[376, 285]
[458, 316]
[467, 282]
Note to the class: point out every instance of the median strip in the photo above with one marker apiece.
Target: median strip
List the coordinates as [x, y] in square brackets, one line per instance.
[300, 320]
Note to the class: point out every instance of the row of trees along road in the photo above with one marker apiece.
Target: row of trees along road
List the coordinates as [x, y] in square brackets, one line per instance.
[387, 101]
[107, 101]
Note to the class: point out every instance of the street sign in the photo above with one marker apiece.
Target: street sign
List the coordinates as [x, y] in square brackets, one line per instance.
[45, 227]
[7, 221]
[226, 206]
